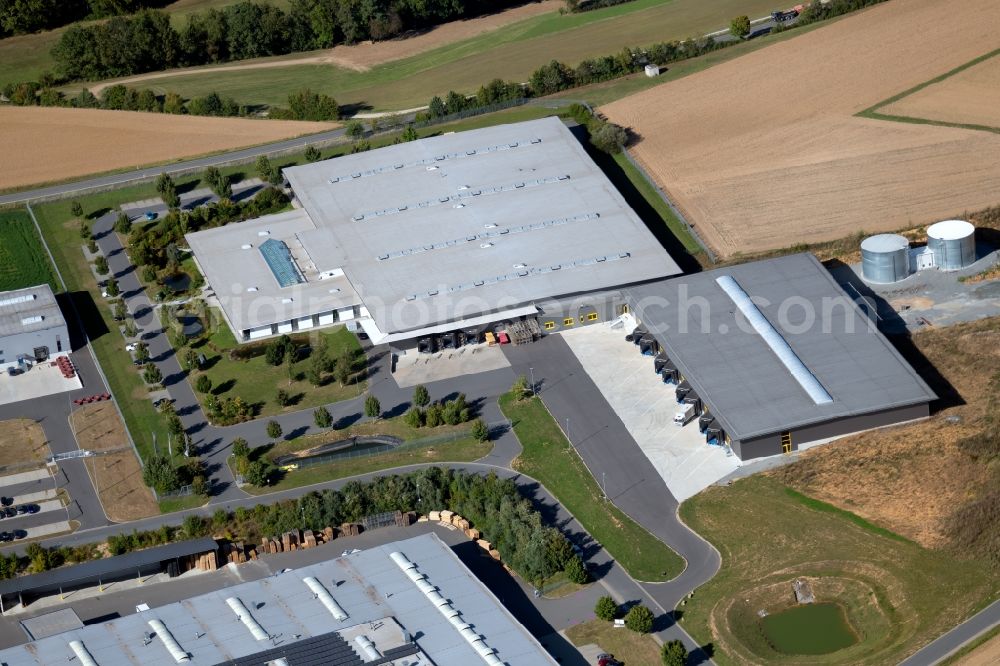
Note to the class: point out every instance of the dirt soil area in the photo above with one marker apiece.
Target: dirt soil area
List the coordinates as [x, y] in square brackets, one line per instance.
[764, 151]
[363, 56]
[117, 476]
[22, 441]
[52, 144]
[971, 97]
[910, 478]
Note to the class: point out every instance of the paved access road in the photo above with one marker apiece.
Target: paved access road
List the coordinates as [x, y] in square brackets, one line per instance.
[951, 641]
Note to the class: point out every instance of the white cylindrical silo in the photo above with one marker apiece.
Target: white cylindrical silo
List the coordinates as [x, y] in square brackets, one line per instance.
[885, 258]
[953, 243]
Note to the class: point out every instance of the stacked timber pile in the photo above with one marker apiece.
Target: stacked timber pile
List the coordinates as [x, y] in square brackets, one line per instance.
[236, 552]
[453, 519]
[205, 562]
[297, 540]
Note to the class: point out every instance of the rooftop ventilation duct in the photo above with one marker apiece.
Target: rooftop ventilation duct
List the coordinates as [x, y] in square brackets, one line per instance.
[325, 598]
[281, 661]
[806, 379]
[243, 615]
[14, 300]
[368, 648]
[246, 246]
[80, 650]
[173, 647]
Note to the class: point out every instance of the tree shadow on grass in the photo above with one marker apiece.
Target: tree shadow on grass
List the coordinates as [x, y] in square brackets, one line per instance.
[223, 387]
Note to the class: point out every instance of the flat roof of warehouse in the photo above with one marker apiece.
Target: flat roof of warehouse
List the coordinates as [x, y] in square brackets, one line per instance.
[286, 616]
[29, 310]
[457, 225]
[741, 376]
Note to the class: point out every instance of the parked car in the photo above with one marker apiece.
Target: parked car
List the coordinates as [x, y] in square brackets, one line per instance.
[131, 347]
[20, 534]
[10, 512]
[14, 371]
[607, 660]
[151, 215]
[6, 501]
[27, 509]
[6, 536]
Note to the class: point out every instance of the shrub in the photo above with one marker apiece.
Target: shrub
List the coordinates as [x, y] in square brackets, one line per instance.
[373, 408]
[194, 526]
[673, 653]
[241, 449]
[151, 374]
[609, 138]
[322, 417]
[76, 209]
[203, 384]
[480, 430]
[606, 608]
[312, 154]
[520, 389]
[432, 415]
[414, 417]
[639, 619]
[421, 398]
[576, 570]
[257, 473]
[276, 350]
[274, 429]
[160, 475]
[282, 398]
[739, 27]
[101, 265]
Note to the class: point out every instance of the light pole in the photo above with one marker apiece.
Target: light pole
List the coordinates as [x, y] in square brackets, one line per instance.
[532, 371]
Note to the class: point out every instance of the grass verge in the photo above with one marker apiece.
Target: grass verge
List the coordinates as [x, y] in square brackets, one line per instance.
[628, 647]
[872, 111]
[549, 458]
[22, 443]
[898, 594]
[818, 505]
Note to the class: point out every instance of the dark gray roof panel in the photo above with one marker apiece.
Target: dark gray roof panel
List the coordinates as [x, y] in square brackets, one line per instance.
[741, 378]
[108, 566]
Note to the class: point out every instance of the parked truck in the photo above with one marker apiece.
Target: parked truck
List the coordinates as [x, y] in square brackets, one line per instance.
[684, 413]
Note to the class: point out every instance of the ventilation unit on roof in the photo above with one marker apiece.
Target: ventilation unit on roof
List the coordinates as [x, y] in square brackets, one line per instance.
[34, 319]
[459, 205]
[520, 265]
[286, 300]
[485, 245]
[251, 288]
[432, 168]
[490, 225]
[246, 246]
[263, 233]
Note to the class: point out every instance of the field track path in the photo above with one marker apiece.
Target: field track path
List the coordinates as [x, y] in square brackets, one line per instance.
[362, 57]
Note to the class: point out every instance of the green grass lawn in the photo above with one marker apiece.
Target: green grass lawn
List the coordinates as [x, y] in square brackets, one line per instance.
[23, 262]
[550, 459]
[423, 445]
[630, 648]
[511, 52]
[258, 382]
[897, 594]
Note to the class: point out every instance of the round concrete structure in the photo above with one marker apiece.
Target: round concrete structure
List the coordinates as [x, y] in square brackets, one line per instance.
[885, 258]
[953, 243]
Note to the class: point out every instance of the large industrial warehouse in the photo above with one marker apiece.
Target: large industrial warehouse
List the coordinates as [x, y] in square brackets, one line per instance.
[446, 233]
[409, 602]
[775, 354]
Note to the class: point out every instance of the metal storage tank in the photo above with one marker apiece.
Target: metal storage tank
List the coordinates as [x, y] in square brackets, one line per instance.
[953, 243]
[885, 258]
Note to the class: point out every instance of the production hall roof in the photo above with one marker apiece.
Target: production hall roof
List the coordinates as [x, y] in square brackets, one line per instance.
[29, 310]
[774, 345]
[446, 228]
[409, 602]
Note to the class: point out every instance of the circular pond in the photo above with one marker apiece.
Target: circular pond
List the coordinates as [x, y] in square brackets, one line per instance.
[809, 629]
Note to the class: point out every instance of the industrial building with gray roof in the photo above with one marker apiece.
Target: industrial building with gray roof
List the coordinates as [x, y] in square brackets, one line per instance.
[471, 226]
[778, 354]
[31, 325]
[409, 602]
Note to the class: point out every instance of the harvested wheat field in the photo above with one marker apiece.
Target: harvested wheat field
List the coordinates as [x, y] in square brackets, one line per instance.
[913, 478]
[117, 476]
[51, 144]
[970, 97]
[764, 151]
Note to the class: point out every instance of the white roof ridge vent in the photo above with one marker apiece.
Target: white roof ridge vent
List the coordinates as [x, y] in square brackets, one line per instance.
[33, 319]
[169, 642]
[264, 232]
[81, 652]
[326, 598]
[246, 246]
[371, 653]
[806, 379]
[244, 616]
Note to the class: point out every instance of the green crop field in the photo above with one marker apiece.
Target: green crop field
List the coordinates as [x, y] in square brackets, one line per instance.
[23, 262]
[511, 52]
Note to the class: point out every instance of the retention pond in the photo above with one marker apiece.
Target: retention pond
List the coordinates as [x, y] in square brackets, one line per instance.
[809, 629]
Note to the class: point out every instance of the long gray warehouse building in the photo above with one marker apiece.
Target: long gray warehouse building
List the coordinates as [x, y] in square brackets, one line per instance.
[778, 354]
[440, 234]
[406, 603]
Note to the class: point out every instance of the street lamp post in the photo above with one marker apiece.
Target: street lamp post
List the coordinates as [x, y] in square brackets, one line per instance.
[532, 371]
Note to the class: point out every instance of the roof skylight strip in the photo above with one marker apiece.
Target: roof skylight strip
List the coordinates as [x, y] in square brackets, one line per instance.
[806, 379]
